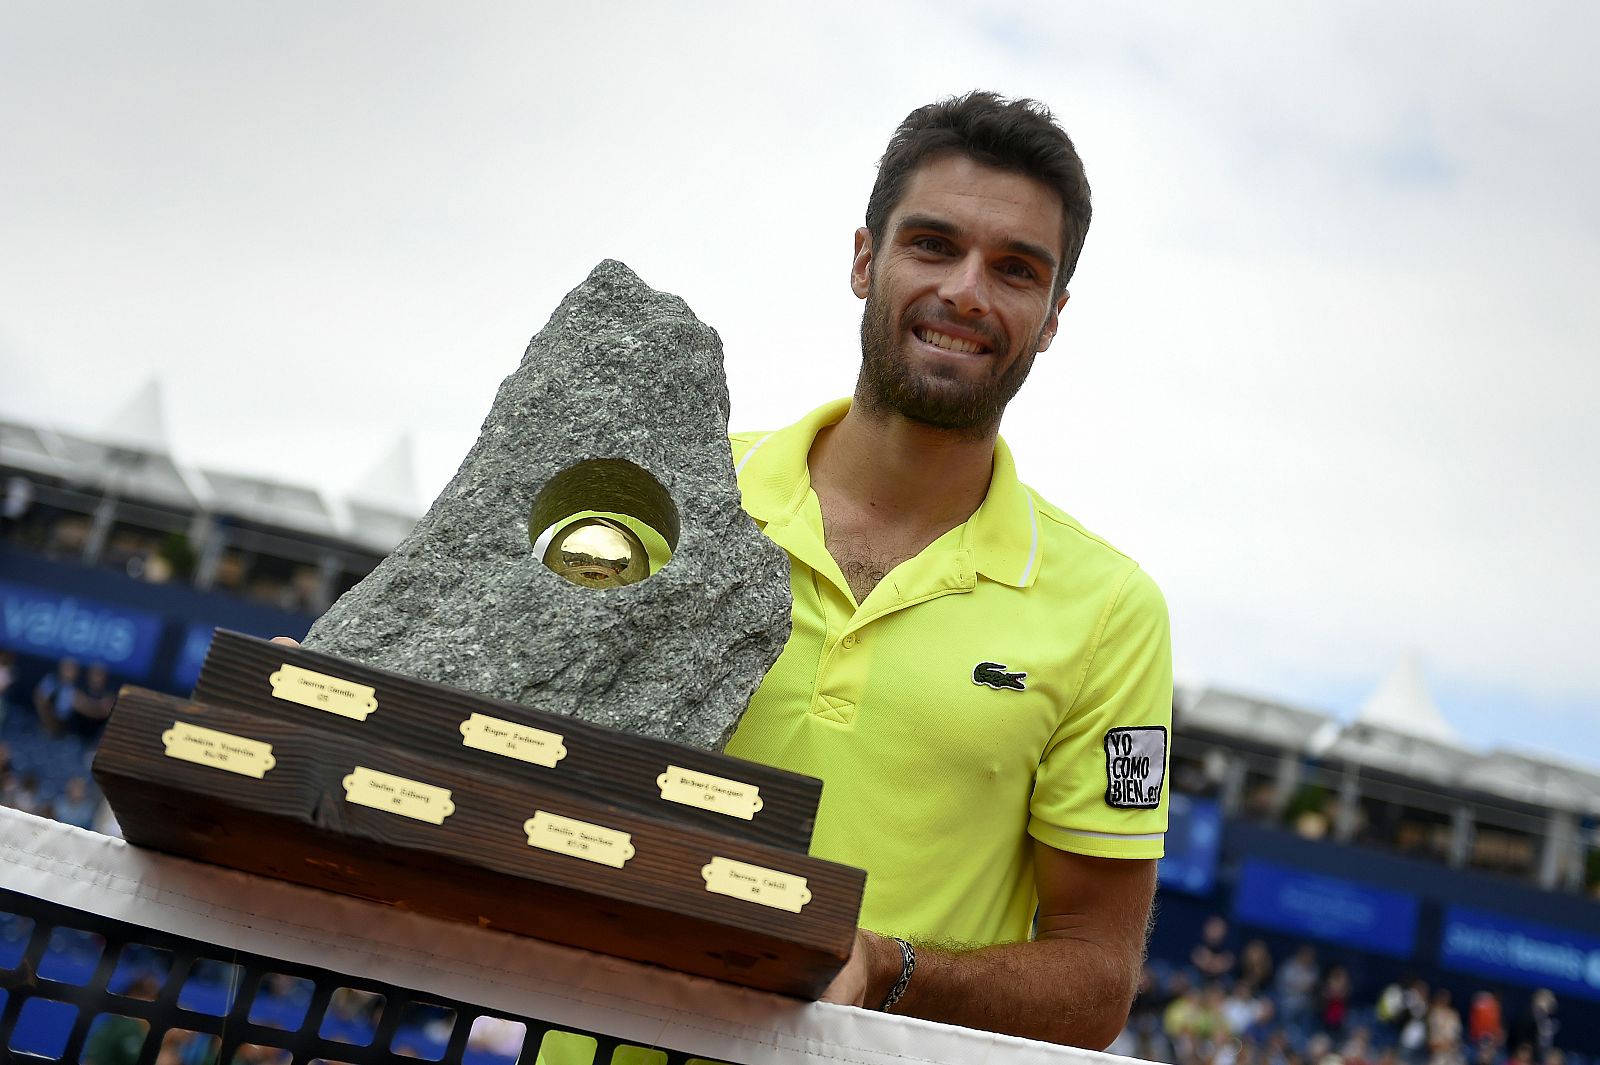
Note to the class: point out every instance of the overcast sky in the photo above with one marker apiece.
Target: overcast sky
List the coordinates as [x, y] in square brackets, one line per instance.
[1328, 370]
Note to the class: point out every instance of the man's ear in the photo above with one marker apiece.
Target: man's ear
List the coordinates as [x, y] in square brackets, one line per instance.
[1052, 323]
[861, 265]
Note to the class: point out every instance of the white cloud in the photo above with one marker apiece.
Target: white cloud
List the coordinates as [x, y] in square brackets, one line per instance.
[1326, 369]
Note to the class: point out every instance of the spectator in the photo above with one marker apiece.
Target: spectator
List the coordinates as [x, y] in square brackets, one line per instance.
[1142, 1037]
[56, 697]
[1335, 1000]
[1357, 1049]
[18, 498]
[1255, 964]
[1444, 1031]
[21, 792]
[1211, 957]
[1240, 1009]
[1297, 987]
[8, 673]
[1484, 1023]
[76, 806]
[1413, 1041]
[1536, 1028]
[93, 704]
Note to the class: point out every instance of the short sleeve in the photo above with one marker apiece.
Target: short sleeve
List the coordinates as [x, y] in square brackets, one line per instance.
[1101, 786]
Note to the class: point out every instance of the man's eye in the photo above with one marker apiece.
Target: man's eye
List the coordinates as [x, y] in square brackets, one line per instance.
[1020, 271]
[937, 245]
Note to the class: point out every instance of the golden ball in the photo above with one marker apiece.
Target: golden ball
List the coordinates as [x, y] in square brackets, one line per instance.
[598, 553]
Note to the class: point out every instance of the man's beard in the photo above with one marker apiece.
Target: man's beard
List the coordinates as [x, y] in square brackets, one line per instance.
[888, 382]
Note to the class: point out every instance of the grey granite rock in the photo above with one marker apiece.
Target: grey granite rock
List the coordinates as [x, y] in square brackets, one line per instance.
[620, 372]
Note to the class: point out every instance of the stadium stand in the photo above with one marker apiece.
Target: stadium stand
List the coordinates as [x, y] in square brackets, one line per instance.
[1384, 892]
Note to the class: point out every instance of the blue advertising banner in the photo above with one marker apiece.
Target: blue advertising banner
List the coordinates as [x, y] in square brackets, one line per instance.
[39, 622]
[1328, 908]
[1520, 952]
[1194, 841]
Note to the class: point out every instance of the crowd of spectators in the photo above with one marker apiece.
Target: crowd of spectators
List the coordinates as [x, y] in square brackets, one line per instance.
[1221, 1007]
[48, 732]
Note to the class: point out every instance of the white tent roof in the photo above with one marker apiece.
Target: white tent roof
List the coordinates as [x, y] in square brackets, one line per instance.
[130, 458]
[1540, 780]
[1402, 703]
[289, 506]
[139, 424]
[391, 482]
[1248, 718]
[1400, 729]
[381, 507]
[29, 447]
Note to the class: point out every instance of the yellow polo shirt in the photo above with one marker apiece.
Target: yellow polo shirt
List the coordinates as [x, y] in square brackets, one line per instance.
[1013, 680]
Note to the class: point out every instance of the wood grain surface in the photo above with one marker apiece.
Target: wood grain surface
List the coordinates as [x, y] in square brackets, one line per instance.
[295, 823]
[425, 717]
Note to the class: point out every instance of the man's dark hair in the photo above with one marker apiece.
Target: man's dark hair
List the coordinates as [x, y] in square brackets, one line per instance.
[1016, 135]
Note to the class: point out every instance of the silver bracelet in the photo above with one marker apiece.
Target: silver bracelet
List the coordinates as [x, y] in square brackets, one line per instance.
[908, 965]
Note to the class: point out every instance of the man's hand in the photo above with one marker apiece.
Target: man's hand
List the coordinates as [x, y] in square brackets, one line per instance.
[1073, 984]
[866, 978]
[286, 640]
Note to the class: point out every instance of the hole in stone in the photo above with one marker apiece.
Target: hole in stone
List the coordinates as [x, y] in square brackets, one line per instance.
[603, 523]
[210, 987]
[424, 1031]
[281, 1002]
[352, 1016]
[494, 1041]
[71, 956]
[15, 931]
[113, 1037]
[141, 972]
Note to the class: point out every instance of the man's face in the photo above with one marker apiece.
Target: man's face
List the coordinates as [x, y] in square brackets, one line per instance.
[958, 293]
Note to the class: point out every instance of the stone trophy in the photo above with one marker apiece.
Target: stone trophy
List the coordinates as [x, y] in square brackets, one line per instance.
[516, 719]
[619, 406]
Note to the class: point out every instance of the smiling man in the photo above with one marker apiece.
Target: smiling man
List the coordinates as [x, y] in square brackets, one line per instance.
[984, 685]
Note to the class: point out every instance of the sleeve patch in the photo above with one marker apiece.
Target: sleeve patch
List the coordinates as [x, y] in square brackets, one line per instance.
[1136, 764]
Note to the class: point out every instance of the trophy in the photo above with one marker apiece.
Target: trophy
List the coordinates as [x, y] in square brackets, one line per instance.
[517, 718]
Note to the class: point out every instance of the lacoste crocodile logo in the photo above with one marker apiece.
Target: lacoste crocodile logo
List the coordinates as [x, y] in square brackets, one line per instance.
[995, 676]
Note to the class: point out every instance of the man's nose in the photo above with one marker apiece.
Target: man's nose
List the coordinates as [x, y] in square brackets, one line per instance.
[966, 288]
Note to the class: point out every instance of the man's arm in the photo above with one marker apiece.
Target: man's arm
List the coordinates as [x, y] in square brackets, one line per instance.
[1073, 984]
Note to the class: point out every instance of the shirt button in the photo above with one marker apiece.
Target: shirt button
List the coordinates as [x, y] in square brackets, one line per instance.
[849, 641]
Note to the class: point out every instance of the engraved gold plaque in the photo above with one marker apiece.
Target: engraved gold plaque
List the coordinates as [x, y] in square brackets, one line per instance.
[718, 794]
[580, 839]
[752, 883]
[219, 750]
[322, 692]
[398, 795]
[522, 742]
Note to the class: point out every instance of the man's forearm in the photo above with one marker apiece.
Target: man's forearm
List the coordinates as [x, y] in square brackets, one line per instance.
[1064, 990]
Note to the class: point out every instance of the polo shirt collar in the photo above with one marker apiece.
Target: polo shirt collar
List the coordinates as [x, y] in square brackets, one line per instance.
[1002, 534]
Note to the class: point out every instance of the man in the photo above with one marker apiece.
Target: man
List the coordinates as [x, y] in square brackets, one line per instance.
[984, 686]
[55, 697]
